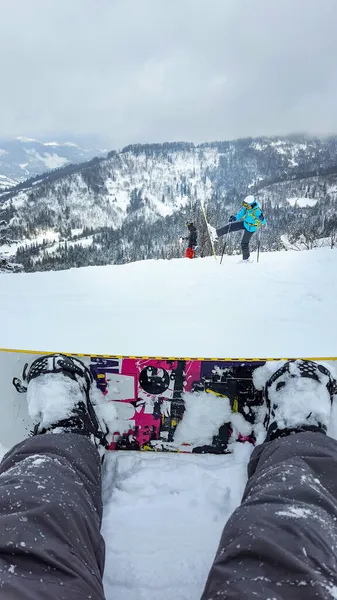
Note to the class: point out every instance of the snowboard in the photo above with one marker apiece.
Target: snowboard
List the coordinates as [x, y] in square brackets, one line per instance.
[150, 396]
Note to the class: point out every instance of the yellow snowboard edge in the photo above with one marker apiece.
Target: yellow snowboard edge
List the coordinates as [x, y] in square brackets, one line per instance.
[169, 358]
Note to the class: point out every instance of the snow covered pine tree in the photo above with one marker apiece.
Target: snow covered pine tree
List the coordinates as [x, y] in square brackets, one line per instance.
[6, 265]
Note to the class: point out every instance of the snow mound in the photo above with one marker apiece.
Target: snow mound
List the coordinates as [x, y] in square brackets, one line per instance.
[204, 414]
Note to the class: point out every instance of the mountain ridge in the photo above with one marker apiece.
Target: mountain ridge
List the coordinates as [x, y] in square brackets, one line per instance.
[132, 204]
[24, 157]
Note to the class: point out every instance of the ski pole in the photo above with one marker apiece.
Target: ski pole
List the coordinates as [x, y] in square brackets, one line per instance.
[258, 246]
[223, 250]
[259, 238]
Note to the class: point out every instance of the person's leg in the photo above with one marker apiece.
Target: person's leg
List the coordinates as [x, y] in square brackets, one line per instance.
[50, 490]
[229, 228]
[245, 244]
[281, 543]
[50, 518]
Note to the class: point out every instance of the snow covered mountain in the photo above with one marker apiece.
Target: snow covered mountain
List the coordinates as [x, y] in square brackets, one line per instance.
[133, 203]
[24, 157]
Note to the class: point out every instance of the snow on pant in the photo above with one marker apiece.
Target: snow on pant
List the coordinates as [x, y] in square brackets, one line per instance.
[238, 226]
[50, 517]
[281, 543]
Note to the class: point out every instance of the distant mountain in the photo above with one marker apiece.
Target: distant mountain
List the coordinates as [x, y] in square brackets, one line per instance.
[24, 157]
[133, 204]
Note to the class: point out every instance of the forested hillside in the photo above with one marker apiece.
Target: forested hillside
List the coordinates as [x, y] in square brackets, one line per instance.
[134, 203]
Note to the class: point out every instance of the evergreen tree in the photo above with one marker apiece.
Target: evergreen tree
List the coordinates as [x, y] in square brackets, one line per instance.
[6, 264]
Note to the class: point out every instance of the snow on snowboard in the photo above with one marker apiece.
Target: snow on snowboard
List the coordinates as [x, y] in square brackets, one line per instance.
[164, 404]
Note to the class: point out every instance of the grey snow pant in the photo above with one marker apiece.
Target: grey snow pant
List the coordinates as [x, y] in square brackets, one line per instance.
[281, 543]
[238, 226]
[50, 518]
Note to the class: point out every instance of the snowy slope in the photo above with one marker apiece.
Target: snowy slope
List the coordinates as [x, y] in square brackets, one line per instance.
[164, 514]
[279, 307]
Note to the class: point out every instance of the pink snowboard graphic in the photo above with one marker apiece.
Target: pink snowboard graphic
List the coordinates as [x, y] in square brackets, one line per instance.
[149, 398]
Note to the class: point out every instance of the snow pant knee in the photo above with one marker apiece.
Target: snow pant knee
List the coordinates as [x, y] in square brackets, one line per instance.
[50, 518]
[282, 540]
[245, 244]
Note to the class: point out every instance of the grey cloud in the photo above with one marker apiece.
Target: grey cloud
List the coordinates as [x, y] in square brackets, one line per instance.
[155, 70]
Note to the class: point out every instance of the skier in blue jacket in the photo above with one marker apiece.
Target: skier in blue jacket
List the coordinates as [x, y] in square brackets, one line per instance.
[249, 219]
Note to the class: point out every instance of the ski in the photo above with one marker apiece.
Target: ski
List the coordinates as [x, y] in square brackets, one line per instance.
[205, 217]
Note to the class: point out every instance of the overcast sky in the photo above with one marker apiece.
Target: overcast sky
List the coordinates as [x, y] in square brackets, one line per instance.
[156, 70]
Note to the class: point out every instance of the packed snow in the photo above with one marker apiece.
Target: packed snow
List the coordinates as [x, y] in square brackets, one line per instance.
[164, 513]
[285, 305]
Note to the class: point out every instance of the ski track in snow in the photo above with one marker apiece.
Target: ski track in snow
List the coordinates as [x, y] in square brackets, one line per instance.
[164, 513]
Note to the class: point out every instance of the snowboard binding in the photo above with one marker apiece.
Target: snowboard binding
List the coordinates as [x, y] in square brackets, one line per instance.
[301, 368]
[53, 363]
[83, 418]
[276, 423]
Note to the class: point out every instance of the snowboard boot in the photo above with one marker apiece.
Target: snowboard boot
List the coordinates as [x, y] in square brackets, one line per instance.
[299, 397]
[59, 390]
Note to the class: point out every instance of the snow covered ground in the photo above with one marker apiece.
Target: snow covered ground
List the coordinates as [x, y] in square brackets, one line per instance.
[164, 513]
[163, 519]
[285, 305]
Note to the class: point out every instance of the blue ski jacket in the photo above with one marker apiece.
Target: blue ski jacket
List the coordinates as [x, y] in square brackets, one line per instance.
[252, 217]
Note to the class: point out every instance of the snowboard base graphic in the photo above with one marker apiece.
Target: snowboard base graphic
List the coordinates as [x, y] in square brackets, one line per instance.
[149, 396]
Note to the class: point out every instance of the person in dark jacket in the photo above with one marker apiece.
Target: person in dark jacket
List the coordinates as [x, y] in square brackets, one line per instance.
[280, 543]
[192, 239]
[248, 219]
